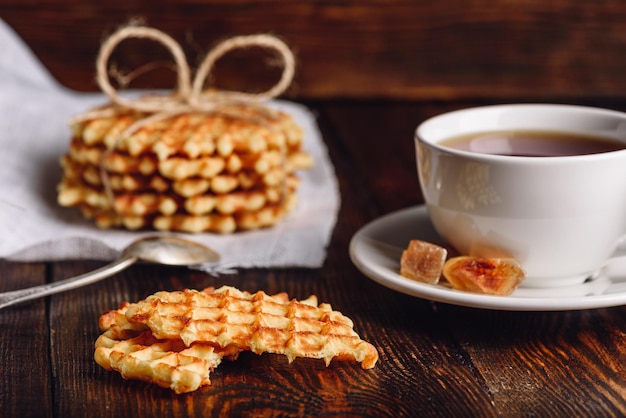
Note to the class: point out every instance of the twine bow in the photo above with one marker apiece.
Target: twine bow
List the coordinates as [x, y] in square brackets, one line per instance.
[189, 95]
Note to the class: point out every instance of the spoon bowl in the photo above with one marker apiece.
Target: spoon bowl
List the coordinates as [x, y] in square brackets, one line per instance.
[158, 249]
[170, 250]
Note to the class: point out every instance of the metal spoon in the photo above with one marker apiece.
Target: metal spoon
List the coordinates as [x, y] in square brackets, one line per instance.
[167, 250]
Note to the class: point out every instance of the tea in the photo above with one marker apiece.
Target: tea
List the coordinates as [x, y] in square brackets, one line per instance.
[533, 143]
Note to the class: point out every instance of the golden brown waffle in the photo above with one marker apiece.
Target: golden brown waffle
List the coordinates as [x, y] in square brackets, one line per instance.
[184, 173]
[221, 214]
[168, 202]
[257, 322]
[169, 363]
[175, 339]
[135, 353]
[191, 135]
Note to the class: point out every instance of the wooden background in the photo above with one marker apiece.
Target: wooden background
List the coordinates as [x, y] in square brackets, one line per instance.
[378, 49]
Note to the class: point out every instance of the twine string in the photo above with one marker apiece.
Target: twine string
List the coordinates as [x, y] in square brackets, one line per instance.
[150, 103]
[189, 96]
[239, 42]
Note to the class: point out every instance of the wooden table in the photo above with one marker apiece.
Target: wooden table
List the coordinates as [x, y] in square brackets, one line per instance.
[435, 359]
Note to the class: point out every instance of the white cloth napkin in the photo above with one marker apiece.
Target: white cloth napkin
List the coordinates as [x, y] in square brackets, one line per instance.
[34, 111]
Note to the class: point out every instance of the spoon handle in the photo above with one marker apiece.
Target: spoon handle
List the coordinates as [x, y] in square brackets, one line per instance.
[22, 295]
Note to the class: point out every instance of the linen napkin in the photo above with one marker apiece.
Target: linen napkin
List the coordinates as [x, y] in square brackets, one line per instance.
[34, 111]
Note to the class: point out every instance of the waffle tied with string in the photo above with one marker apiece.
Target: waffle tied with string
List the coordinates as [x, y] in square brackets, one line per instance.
[189, 172]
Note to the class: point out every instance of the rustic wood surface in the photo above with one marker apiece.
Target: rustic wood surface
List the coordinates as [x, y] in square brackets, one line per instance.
[406, 49]
[436, 360]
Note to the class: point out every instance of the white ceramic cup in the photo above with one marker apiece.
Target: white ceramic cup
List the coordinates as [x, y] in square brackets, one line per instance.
[561, 218]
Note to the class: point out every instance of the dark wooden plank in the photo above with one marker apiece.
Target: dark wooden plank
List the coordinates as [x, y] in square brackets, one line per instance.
[362, 49]
[547, 363]
[25, 372]
[376, 138]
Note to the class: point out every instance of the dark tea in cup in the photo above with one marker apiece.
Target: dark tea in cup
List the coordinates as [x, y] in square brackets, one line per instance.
[533, 143]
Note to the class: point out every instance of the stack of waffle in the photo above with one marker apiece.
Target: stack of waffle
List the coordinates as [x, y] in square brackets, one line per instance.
[189, 173]
[175, 339]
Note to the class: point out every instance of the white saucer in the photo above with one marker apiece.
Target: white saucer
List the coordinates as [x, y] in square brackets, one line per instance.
[376, 249]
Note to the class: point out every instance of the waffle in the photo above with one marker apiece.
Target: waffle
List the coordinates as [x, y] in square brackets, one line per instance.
[167, 202]
[183, 173]
[135, 353]
[221, 214]
[175, 339]
[257, 322]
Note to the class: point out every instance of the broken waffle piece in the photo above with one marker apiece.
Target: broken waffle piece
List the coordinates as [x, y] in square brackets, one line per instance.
[176, 339]
[135, 353]
[494, 276]
[228, 317]
[423, 261]
[166, 363]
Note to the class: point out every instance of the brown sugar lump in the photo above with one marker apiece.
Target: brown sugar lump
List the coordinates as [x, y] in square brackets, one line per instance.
[191, 172]
[494, 276]
[423, 261]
